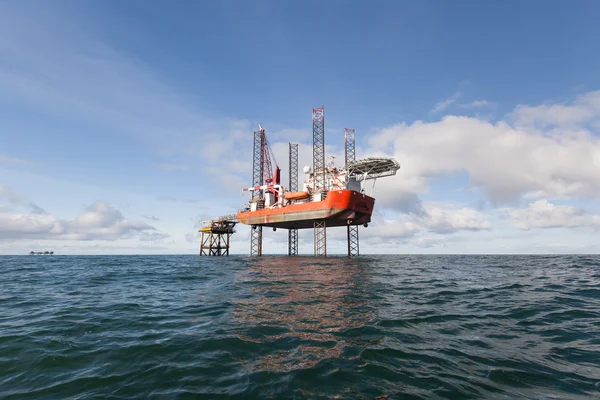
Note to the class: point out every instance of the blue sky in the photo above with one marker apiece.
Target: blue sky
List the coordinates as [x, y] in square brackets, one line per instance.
[136, 117]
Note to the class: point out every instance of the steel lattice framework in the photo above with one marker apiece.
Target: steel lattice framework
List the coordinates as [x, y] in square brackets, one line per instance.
[293, 233]
[293, 167]
[350, 147]
[293, 242]
[372, 168]
[257, 180]
[215, 238]
[266, 160]
[257, 162]
[318, 119]
[320, 238]
[256, 241]
[353, 241]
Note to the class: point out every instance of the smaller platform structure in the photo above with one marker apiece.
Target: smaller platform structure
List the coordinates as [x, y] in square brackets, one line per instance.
[215, 236]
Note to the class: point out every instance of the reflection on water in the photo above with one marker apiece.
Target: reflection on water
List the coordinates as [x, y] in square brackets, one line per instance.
[302, 310]
[397, 327]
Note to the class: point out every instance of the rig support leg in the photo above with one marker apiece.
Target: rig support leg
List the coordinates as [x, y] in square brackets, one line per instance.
[320, 238]
[203, 244]
[256, 240]
[293, 242]
[352, 240]
[293, 233]
[227, 245]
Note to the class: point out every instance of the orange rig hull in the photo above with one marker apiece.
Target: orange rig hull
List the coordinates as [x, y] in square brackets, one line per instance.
[340, 208]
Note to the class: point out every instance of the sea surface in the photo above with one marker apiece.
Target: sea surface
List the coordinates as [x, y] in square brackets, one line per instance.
[375, 327]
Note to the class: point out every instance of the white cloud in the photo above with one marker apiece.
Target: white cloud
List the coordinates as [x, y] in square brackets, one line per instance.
[444, 104]
[442, 220]
[503, 161]
[585, 108]
[478, 104]
[413, 228]
[17, 226]
[99, 221]
[543, 214]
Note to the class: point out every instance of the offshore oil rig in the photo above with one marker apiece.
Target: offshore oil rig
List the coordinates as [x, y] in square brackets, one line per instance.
[330, 196]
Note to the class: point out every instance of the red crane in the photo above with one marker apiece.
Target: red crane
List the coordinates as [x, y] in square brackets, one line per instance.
[269, 177]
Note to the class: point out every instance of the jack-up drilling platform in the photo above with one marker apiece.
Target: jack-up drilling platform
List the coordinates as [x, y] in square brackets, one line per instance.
[330, 196]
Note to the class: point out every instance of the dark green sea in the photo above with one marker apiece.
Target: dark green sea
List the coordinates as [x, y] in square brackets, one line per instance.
[395, 327]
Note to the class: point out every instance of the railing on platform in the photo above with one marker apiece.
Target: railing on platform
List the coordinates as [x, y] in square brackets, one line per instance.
[216, 234]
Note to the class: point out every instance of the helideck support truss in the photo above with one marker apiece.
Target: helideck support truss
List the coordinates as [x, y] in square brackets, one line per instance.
[372, 168]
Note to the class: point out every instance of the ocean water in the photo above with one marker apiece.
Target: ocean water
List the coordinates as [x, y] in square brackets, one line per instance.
[376, 327]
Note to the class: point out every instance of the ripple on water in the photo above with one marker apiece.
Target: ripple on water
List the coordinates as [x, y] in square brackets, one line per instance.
[417, 327]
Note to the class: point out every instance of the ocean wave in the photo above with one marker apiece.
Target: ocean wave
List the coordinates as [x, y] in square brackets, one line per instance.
[378, 327]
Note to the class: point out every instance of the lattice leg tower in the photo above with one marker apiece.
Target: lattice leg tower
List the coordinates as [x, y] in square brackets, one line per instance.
[320, 238]
[350, 155]
[257, 180]
[256, 241]
[352, 240]
[293, 233]
[318, 118]
[293, 242]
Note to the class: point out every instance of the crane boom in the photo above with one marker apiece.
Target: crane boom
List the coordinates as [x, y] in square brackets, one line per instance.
[267, 153]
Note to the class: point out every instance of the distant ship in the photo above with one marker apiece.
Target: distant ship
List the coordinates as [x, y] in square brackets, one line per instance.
[41, 252]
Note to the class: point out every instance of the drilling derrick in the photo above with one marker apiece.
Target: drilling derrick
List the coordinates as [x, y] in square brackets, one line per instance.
[320, 227]
[349, 145]
[318, 119]
[293, 233]
[350, 155]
